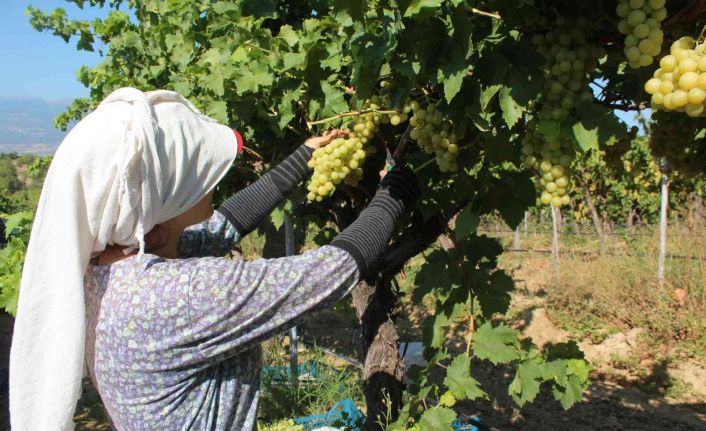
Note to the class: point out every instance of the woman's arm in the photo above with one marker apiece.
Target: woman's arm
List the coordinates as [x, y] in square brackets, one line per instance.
[235, 305]
[213, 237]
[247, 208]
[241, 213]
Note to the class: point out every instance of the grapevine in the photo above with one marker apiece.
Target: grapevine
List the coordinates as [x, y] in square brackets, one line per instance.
[641, 23]
[680, 82]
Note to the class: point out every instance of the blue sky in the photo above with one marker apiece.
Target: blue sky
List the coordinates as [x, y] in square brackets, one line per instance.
[39, 64]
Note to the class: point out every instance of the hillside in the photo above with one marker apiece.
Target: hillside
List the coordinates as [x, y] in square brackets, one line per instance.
[26, 125]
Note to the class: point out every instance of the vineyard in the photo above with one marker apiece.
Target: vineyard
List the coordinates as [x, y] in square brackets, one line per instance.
[534, 194]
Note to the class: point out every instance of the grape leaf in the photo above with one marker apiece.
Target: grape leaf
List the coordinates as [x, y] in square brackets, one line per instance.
[494, 293]
[10, 293]
[434, 330]
[214, 81]
[585, 139]
[487, 94]
[222, 7]
[496, 344]
[287, 33]
[293, 60]
[459, 380]
[418, 6]
[437, 419]
[334, 99]
[438, 272]
[355, 9]
[218, 110]
[286, 113]
[277, 216]
[19, 224]
[253, 77]
[525, 386]
[453, 80]
[466, 222]
[555, 370]
[579, 368]
[512, 111]
[571, 394]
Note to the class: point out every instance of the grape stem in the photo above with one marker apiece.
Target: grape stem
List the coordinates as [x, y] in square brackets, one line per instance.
[484, 13]
[404, 140]
[701, 35]
[347, 114]
[471, 330]
[424, 165]
[253, 152]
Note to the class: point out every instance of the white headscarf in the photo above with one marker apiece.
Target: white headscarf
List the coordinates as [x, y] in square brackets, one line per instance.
[138, 160]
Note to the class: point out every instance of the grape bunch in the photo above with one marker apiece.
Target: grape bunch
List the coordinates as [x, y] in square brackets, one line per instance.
[284, 425]
[570, 57]
[679, 140]
[552, 159]
[342, 159]
[434, 134]
[680, 82]
[640, 23]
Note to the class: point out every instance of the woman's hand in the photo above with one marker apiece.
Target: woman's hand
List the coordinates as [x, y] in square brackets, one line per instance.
[316, 142]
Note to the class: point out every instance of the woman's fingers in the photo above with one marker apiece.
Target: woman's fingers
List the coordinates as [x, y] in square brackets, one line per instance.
[325, 138]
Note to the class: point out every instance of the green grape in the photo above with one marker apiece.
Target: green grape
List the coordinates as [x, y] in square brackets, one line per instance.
[640, 22]
[551, 160]
[284, 425]
[677, 138]
[341, 160]
[434, 135]
[680, 81]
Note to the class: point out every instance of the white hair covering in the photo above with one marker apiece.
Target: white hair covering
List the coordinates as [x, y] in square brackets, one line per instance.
[138, 160]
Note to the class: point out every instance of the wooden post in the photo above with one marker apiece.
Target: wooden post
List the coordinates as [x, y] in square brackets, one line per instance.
[555, 243]
[289, 251]
[594, 216]
[664, 200]
[516, 238]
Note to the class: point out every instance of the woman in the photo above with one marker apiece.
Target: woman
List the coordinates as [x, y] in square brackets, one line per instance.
[168, 330]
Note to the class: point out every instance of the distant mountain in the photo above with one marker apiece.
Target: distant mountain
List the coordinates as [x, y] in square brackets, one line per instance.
[26, 125]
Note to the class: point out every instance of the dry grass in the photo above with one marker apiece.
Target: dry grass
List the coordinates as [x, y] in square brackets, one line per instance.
[599, 294]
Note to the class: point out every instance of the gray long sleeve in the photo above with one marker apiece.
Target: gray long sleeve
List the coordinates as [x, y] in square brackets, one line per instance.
[247, 208]
[368, 236]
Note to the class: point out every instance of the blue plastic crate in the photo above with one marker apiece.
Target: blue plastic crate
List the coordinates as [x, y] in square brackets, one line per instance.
[342, 414]
[308, 370]
[472, 424]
